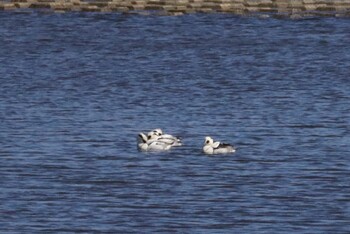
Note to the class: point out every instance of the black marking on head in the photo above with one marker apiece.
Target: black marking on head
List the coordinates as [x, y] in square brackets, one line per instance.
[148, 137]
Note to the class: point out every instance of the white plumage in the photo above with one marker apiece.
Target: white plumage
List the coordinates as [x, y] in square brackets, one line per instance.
[211, 147]
[155, 140]
[145, 144]
[157, 134]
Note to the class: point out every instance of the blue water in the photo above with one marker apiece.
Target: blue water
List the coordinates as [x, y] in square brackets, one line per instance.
[76, 89]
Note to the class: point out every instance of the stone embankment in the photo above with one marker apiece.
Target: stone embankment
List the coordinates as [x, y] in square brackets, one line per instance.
[178, 7]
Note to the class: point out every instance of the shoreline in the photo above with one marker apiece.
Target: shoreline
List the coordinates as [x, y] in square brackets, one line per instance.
[282, 8]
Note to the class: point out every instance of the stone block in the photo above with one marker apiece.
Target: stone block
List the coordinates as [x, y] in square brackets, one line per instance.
[309, 1]
[282, 4]
[205, 10]
[239, 1]
[39, 5]
[90, 8]
[106, 9]
[153, 8]
[342, 8]
[218, 2]
[310, 7]
[61, 6]
[113, 5]
[251, 3]
[8, 6]
[22, 5]
[324, 7]
[195, 1]
[268, 9]
[211, 5]
[252, 9]
[138, 2]
[238, 6]
[182, 2]
[225, 6]
[296, 4]
[46, 1]
[181, 8]
[76, 2]
[156, 2]
[121, 9]
[266, 3]
[14, 1]
[98, 4]
[195, 5]
[169, 8]
[137, 7]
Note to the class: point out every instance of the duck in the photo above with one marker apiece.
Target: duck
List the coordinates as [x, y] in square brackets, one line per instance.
[157, 134]
[211, 147]
[145, 144]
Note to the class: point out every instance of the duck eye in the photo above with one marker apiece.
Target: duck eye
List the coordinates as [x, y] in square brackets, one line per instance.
[207, 142]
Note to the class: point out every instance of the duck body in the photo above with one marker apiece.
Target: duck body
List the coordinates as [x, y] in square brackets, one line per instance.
[157, 134]
[145, 144]
[211, 147]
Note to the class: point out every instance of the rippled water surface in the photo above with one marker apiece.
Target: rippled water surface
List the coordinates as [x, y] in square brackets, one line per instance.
[76, 89]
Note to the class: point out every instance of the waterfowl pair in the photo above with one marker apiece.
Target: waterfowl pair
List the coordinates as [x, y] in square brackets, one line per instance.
[155, 140]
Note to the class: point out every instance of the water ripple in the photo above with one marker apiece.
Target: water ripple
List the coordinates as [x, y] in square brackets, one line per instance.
[76, 89]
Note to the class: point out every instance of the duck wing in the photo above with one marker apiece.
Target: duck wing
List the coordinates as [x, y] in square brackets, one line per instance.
[158, 146]
[167, 140]
[224, 145]
[219, 145]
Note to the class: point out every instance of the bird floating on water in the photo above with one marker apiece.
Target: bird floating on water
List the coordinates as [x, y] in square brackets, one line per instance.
[155, 140]
[157, 134]
[145, 144]
[211, 147]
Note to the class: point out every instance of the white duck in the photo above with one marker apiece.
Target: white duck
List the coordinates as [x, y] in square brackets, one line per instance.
[211, 147]
[145, 144]
[157, 134]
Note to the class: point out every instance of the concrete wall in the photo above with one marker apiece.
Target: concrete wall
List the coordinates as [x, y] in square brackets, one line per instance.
[178, 7]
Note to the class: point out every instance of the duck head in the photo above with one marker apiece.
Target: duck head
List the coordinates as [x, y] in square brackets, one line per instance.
[155, 134]
[208, 140]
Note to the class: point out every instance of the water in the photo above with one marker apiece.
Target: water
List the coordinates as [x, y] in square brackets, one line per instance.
[76, 89]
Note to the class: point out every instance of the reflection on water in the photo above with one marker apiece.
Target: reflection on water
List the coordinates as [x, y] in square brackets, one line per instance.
[77, 88]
